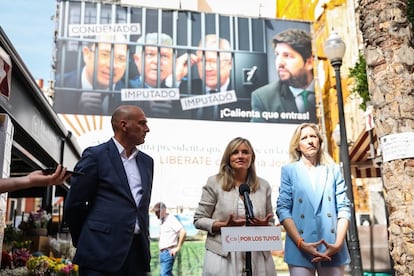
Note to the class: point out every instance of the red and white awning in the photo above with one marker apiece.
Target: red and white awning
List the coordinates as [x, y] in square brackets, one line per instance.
[361, 155]
[5, 73]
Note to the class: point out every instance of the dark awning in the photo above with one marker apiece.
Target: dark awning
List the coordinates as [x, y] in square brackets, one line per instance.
[361, 155]
[39, 137]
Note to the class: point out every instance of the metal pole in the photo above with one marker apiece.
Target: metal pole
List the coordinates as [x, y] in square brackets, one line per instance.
[248, 262]
[353, 241]
[248, 268]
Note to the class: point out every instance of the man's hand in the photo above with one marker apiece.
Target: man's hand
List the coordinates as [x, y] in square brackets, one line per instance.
[91, 102]
[174, 251]
[161, 107]
[181, 65]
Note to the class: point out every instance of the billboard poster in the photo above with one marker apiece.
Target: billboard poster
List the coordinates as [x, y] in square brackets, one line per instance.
[202, 79]
[181, 64]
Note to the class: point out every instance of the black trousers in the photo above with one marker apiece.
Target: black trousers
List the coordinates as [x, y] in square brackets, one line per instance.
[135, 263]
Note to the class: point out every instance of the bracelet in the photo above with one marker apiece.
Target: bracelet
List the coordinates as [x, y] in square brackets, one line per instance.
[299, 243]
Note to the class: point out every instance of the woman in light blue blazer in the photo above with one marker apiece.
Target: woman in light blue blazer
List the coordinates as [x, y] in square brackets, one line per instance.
[313, 207]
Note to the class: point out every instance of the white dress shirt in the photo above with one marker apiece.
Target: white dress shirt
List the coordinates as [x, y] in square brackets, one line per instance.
[133, 175]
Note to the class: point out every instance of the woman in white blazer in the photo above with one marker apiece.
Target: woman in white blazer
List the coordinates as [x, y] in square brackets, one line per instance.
[221, 205]
[313, 207]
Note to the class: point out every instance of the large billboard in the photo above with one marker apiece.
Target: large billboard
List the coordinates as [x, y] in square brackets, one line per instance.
[178, 64]
[201, 78]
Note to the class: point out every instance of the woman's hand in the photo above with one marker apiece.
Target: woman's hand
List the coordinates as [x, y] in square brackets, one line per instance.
[331, 249]
[261, 222]
[231, 221]
[312, 249]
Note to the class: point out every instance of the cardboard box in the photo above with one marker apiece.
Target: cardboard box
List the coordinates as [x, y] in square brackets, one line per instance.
[39, 244]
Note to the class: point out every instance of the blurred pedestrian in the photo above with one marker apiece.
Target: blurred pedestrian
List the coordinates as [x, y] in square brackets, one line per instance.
[172, 236]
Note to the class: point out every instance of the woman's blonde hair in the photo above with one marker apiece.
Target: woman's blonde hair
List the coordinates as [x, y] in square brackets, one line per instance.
[226, 173]
[295, 154]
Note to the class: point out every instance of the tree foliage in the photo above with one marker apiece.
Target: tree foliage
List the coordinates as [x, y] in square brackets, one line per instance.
[410, 11]
[359, 73]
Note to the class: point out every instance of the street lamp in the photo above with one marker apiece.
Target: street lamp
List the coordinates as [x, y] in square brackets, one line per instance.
[335, 50]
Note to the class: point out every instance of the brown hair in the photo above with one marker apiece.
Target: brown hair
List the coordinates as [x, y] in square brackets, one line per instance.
[299, 40]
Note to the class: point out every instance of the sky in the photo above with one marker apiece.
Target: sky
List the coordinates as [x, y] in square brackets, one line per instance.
[29, 26]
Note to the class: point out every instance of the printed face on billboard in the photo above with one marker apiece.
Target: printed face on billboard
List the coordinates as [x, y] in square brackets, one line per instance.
[183, 65]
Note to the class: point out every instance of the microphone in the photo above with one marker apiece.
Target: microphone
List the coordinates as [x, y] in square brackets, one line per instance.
[244, 191]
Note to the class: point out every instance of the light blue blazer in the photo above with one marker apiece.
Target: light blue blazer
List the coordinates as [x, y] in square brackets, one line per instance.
[314, 211]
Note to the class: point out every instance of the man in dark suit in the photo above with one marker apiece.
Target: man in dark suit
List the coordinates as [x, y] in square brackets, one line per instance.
[107, 208]
[213, 72]
[291, 99]
[94, 78]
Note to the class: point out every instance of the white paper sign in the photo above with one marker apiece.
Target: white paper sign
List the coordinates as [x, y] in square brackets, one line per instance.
[251, 238]
[397, 146]
[150, 94]
[212, 99]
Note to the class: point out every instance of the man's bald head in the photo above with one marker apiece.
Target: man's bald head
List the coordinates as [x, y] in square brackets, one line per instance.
[123, 112]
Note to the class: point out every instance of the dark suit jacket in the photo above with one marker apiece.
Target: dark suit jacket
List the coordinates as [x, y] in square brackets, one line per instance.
[100, 209]
[275, 98]
[68, 100]
[203, 113]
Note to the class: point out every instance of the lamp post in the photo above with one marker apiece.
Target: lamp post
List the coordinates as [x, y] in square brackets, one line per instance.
[335, 50]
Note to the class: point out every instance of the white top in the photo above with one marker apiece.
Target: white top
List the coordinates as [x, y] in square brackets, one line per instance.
[241, 209]
[169, 232]
[312, 176]
[133, 175]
